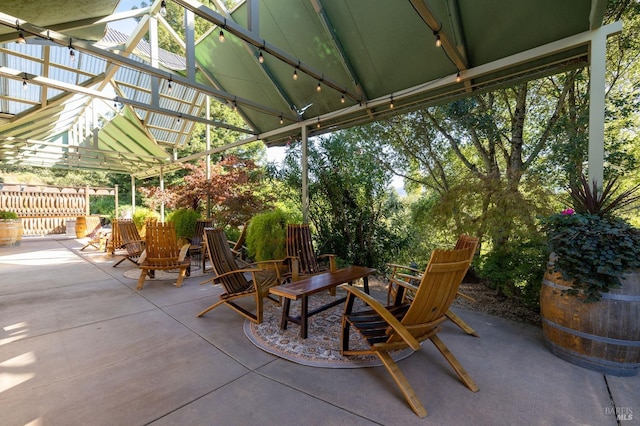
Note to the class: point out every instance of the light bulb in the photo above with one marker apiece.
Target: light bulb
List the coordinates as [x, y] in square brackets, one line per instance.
[24, 84]
[261, 58]
[318, 87]
[281, 120]
[169, 88]
[458, 78]
[72, 54]
[342, 99]
[221, 36]
[391, 103]
[295, 74]
[438, 41]
[21, 39]
[163, 8]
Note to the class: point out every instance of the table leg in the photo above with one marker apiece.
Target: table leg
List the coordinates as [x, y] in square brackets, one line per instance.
[285, 314]
[304, 316]
[365, 279]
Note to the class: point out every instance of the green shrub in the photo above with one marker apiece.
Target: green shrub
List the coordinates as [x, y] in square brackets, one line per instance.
[184, 221]
[516, 269]
[7, 214]
[141, 214]
[267, 235]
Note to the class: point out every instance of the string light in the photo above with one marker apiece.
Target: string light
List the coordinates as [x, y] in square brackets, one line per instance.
[318, 125]
[25, 85]
[72, 53]
[295, 74]
[458, 78]
[169, 88]
[20, 39]
[342, 99]
[261, 58]
[318, 87]
[221, 36]
[391, 103]
[281, 119]
[163, 8]
[438, 41]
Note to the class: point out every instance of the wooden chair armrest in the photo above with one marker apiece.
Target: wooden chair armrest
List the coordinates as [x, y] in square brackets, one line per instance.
[237, 271]
[385, 314]
[410, 277]
[332, 261]
[133, 242]
[404, 284]
[183, 252]
[397, 266]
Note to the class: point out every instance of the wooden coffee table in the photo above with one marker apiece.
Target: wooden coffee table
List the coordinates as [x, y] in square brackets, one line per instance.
[301, 290]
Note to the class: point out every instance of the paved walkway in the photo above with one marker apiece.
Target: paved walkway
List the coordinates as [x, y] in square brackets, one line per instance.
[79, 346]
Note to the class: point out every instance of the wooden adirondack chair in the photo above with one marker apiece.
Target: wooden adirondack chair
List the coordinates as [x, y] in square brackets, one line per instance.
[196, 249]
[406, 325]
[412, 274]
[300, 249]
[130, 241]
[163, 253]
[96, 235]
[233, 279]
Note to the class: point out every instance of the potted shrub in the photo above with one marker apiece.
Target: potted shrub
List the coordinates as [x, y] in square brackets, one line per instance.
[590, 297]
[10, 228]
[267, 235]
[184, 221]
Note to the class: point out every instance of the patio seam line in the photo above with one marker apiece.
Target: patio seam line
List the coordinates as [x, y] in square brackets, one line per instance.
[248, 372]
[307, 393]
[611, 399]
[85, 324]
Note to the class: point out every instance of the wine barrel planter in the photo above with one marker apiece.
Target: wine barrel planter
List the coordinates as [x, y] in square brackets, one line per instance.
[20, 232]
[9, 229]
[603, 336]
[81, 227]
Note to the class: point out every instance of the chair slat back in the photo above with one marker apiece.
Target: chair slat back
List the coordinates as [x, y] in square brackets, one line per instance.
[198, 234]
[223, 261]
[241, 239]
[94, 226]
[162, 244]
[116, 239]
[438, 286]
[300, 245]
[465, 241]
[130, 237]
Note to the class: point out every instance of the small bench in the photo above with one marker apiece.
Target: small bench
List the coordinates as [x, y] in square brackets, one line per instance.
[301, 290]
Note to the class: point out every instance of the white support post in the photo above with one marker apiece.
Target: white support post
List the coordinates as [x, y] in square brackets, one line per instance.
[133, 195]
[596, 109]
[189, 31]
[305, 176]
[115, 195]
[597, 90]
[208, 148]
[154, 53]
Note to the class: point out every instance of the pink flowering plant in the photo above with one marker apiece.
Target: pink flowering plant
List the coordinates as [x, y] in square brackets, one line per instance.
[590, 246]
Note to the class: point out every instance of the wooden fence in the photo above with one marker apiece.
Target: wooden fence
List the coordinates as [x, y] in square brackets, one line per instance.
[45, 209]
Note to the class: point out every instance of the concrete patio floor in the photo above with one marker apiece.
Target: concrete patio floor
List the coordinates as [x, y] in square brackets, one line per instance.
[79, 346]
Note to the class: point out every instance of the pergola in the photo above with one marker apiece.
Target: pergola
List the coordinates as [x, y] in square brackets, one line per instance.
[77, 94]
